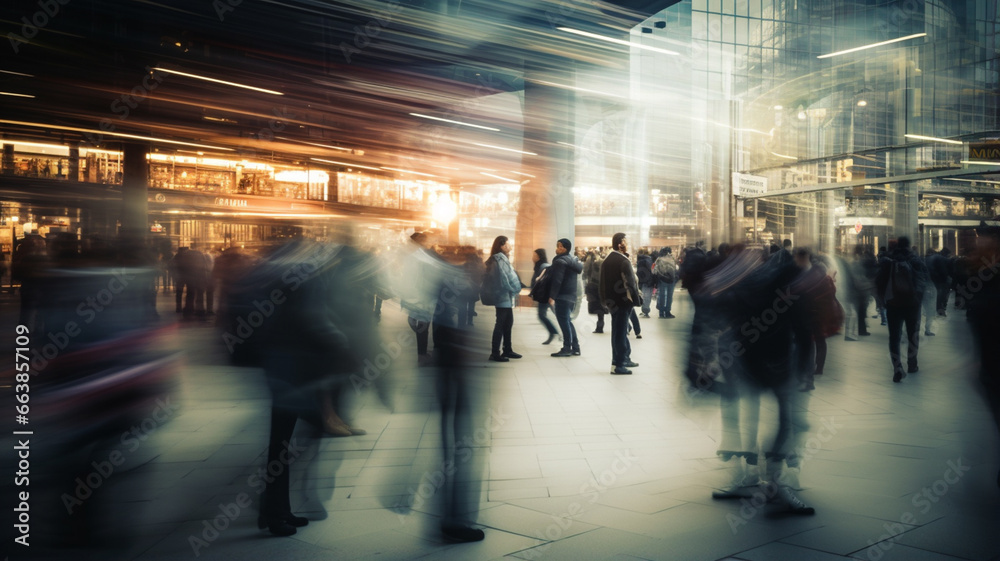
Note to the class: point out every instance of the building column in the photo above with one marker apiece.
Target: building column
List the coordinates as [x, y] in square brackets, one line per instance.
[545, 208]
[73, 170]
[8, 159]
[135, 188]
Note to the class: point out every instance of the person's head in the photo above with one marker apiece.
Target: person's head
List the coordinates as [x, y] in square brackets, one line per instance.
[500, 245]
[539, 256]
[946, 252]
[563, 246]
[618, 242]
[787, 244]
[903, 243]
[664, 251]
[802, 257]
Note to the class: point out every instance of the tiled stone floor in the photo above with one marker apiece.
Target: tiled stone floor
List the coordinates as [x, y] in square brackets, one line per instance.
[585, 465]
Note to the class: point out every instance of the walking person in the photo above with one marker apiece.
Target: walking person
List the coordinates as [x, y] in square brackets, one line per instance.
[562, 295]
[507, 287]
[619, 291]
[665, 275]
[541, 261]
[591, 286]
[647, 282]
[939, 268]
[929, 305]
[901, 282]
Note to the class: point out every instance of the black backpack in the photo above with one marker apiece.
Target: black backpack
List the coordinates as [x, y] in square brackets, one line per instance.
[901, 290]
[491, 282]
[543, 285]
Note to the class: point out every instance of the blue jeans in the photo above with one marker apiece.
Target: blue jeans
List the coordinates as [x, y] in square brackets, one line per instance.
[620, 349]
[543, 310]
[665, 297]
[563, 311]
[647, 297]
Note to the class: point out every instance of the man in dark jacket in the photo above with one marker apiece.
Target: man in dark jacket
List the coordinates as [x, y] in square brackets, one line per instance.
[619, 293]
[939, 268]
[562, 295]
[902, 303]
[644, 272]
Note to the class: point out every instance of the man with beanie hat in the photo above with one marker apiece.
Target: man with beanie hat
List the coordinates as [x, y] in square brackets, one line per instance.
[562, 295]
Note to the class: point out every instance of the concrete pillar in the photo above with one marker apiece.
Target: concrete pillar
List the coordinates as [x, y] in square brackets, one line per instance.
[545, 208]
[135, 187]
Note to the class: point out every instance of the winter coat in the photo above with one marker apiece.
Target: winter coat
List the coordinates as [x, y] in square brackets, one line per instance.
[565, 270]
[510, 283]
[619, 288]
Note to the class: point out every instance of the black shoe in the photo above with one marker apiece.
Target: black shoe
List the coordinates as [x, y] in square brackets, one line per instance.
[282, 526]
[928, 334]
[598, 331]
[669, 315]
[637, 336]
[621, 370]
[510, 354]
[644, 315]
[551, 338]
[912, 369]
[563, 352]
[865, 334]
[630, 364]
[463, 534]
[898, 376]
[499, 358]
[576, 352]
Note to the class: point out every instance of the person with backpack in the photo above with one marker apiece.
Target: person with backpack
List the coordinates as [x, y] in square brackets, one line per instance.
[501, 287]
[541, 282]
[665, 271]
[562, 295]
[647, 282]
[901, 282]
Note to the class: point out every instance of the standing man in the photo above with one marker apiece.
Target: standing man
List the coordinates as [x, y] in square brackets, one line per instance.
[644, 272]
[619, 293]
[901, 281]
[665, 271]
[562, 295]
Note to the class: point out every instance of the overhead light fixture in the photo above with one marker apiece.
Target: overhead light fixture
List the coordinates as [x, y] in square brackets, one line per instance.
[862, 103]
[522, 173]
[408, 171]
[873, 45]
[575, 88]
[616, 41]
[500, 178]
[336, 163]
[980, 163]
[972, 180]
[330, 146]
[934, 139]
[778, 107]
[505, 149]
[12, 94]
[114, 134]
[16, 73]
[219, 119]
[454, 122]
[207, 79]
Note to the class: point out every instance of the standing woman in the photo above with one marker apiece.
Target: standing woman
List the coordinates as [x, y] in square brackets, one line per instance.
[541, 263]
[508, 287]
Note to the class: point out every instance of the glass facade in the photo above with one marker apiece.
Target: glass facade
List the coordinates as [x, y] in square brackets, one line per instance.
[811, 93]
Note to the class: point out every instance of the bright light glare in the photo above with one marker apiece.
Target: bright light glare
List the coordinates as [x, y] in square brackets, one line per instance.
[115, 134]
[873, 45]
[408, 171]
[455, 122]
[12, 94]
[207, 79]
[500, 178]
[616, 41]
[348, 164]
[933, 138]
[505, 149]
[444, 210]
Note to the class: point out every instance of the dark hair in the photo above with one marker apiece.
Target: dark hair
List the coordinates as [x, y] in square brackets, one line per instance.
[786, 243]
[664, 251]
[903, 242]
[497, 245]
[542, 257]
[566, 244]
[616, 240]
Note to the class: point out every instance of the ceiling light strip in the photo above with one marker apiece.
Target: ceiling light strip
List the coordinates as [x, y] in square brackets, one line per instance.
[207, 79]
[934, 139]
[616, 41]
[873, 45]
[455, 122]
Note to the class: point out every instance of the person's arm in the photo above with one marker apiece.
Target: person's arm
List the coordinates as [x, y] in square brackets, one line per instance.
[558, 271]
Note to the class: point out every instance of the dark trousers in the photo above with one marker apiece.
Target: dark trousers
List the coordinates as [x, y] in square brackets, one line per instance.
[501, 331]
[861, 301]
[620, 349]
[897, 317]
[421, 328]
[466, 309]
[634, 318]
[600, 322]
[564, 310]
[942, 296]
[543, 310]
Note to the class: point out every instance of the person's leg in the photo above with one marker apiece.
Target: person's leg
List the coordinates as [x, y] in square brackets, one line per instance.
[508, 325]
[929, 309]
[619, 321]
[634, 318]
[647, 298]
[420, 329]
[497, 333]
[600, 323]
[943, 291]
[863, 314]
[563, 310]
[661, 298]
[543, 317]
[820, 343]
[912, 321]
[670, 297]
[894, 316]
